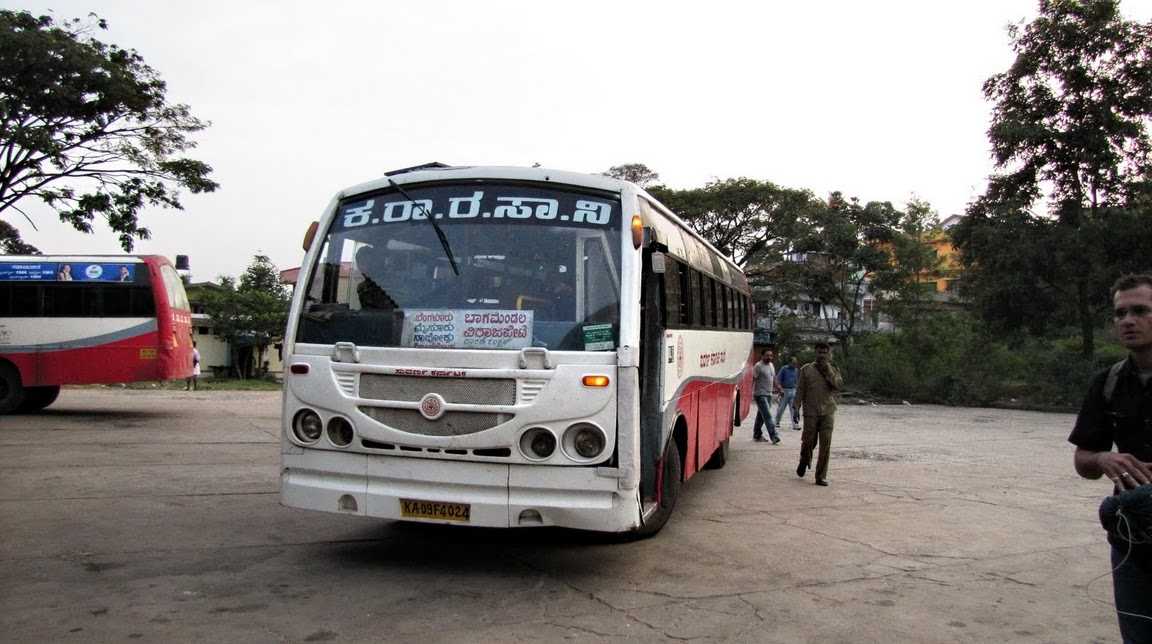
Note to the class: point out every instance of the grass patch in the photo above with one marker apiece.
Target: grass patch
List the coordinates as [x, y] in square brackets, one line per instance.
[208, 384]
[251, 384]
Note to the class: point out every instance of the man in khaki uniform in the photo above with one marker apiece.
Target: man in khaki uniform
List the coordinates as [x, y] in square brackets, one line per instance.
[819, 382]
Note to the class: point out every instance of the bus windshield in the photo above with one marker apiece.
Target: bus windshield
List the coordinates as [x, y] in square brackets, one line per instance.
[536, 266]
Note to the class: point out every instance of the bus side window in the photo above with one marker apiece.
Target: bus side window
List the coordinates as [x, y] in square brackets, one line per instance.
[706, 299]
[723, 305]
[672, 297]
[142, 303]
[686, 297]
[117, 302]
[62, 300]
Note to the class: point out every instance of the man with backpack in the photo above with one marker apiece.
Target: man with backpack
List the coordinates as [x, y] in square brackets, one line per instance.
[1118, 411]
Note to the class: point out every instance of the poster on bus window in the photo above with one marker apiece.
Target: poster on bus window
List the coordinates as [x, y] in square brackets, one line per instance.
[467, 329]
[67, 272]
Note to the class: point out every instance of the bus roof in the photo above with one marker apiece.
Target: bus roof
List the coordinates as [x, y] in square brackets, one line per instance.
[121, 259]
[430, 172]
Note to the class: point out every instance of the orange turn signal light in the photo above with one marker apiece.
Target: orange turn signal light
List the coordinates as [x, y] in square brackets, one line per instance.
[595, 381]
[637, 231]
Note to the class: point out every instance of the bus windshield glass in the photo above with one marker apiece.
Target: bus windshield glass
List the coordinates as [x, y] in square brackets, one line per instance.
[536, 266]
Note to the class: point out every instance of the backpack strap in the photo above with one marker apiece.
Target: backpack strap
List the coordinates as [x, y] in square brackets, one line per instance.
[1110, 381]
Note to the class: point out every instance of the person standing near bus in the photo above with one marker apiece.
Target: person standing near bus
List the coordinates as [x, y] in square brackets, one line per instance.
[1118, 411]
[816, 390]
[786, 380]
[192, 380]
[763, 381]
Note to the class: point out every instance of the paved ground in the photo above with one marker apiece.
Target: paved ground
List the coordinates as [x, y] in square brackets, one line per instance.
[153, 515]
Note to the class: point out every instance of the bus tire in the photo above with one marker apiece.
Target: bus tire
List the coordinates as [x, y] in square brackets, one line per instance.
[11, 389]
[37, 398]
[672, 473]
[720, 456]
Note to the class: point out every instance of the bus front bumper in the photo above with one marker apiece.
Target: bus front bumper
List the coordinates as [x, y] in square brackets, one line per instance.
[466, 493]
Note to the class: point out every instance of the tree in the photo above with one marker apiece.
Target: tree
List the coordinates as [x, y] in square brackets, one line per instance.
[85, 128]
[1069, 126]
[902, 286]
[637, 173]
[842, 247]
[11, 244]
[249, 317]
[751, 221]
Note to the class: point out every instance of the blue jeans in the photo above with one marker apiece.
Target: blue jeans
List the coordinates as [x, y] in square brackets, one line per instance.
[1132, 585]
[787, 400]
[764, 417]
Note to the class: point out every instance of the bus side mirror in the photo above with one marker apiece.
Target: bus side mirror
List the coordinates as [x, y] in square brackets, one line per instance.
[310, 235]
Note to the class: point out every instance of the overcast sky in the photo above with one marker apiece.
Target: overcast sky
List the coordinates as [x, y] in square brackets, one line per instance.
[880, 99]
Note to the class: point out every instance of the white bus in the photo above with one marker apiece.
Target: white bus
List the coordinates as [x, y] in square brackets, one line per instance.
[509, 347]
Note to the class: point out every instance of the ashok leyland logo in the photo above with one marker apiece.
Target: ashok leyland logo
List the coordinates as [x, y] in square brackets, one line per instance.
[432, 406]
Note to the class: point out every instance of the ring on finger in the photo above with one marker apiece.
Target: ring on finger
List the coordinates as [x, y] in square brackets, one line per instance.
[1124, 475]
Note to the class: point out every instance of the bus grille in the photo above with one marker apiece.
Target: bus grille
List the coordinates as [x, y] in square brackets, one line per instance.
[453, 423]
[529, 389]
[468, 391]
[346, 380]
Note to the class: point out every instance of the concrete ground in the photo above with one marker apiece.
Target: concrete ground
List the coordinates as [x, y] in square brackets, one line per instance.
[153, 516]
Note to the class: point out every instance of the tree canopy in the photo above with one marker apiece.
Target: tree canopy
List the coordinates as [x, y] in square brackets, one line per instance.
[85, 128]
[252, 315]
[1069, 135]
[751, 221]
[842, 246]
[637, 173]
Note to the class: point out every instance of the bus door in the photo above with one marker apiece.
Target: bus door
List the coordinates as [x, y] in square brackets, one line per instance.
[652, 328]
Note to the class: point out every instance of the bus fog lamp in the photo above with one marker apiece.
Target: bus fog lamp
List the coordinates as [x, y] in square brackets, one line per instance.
[587, 440]
[537, 443]
[340, 432]
[307, 426]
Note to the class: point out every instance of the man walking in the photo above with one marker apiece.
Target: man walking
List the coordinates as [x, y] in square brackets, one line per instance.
[763, 380]
[786, 379]
[1118, 411]
[816, 392]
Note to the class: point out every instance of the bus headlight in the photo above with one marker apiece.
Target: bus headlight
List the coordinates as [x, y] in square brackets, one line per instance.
[307, 426]
[537, 443]
[584, 441]
[340, 432]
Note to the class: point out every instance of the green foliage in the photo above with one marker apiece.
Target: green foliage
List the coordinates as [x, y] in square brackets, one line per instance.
[11, 244]
[1069, 124]
[637, 173]
[252, 315]
[951, 359]
[86, 129]
[897, 286]
[839, 247]
[262, 276]
[751, 221]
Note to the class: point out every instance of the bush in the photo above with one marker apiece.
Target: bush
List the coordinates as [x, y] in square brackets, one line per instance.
[948, 359]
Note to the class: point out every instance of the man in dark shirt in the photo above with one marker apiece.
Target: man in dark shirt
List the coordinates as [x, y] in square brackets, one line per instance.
[1118, 411]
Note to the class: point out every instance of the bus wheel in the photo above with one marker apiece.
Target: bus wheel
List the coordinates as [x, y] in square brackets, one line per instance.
[37, 398]
[11, 390]
[670, 475]
[719, 457]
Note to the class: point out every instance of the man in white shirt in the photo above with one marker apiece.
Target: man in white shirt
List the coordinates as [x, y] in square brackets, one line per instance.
[763, 381]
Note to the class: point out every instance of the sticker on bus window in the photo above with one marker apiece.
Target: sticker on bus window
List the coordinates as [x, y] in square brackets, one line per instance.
[467, 329]
[598, 337]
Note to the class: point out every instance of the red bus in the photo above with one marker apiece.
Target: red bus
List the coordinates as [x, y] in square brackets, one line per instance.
[71, 320]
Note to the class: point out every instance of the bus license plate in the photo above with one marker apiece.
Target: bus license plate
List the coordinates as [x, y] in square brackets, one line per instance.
[417, 509]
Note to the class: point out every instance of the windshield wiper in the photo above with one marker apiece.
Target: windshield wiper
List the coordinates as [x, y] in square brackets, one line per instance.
[435, 226]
